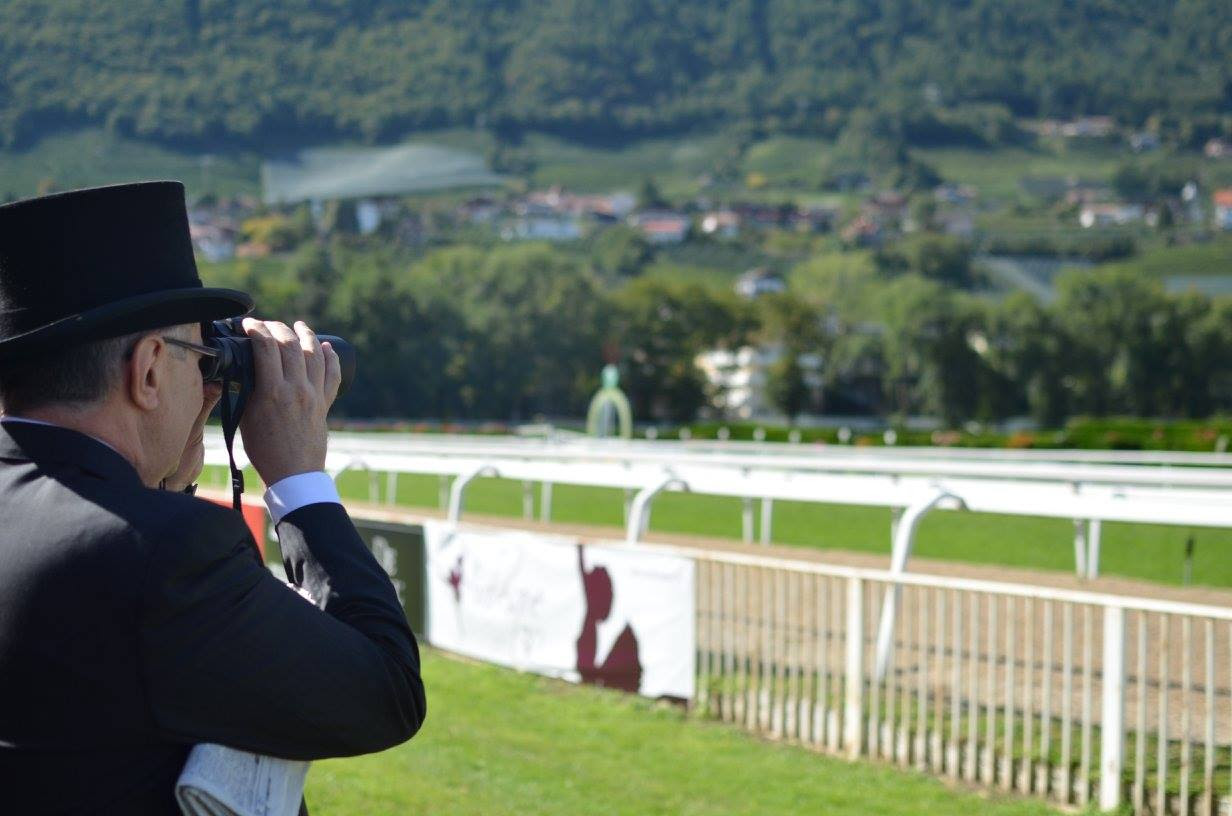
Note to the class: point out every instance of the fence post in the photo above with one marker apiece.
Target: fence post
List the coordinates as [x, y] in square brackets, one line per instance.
[528, 500]
[458, 490]
[746, 519]
[1093, 534]
[1080, 548]
[853, 707]
[639, 510]
[904, 539]
[767, 518]
[545, 502]
[1112, 724]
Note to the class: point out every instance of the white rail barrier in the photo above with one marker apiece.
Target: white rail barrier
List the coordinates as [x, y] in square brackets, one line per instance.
[1076, 697]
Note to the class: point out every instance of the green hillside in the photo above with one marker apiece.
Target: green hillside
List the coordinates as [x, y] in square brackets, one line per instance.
[934, 71]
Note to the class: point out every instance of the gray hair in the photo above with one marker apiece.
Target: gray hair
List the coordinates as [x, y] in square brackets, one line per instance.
[78, 375]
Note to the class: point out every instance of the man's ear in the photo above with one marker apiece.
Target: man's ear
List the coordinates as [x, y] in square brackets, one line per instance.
[145, 371]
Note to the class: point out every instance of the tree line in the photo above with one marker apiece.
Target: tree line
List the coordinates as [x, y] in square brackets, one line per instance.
[516, 331]
[241, 72]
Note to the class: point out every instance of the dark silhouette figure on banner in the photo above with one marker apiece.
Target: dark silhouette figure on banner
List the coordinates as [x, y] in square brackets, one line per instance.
[623, 668]
[455, 581]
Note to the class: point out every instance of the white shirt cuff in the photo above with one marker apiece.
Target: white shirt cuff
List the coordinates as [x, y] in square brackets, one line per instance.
[290, 494]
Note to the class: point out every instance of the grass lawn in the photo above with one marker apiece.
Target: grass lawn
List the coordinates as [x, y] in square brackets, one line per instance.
[1144, 551]
[997, 173]
[1208, 258]
[94, 156]
[497, 741]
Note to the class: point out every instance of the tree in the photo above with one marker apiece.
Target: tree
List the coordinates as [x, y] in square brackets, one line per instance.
[532, 330]
[622, 251]
[649, 197]
[1113, 318]
[660, 328]
[786, 387]
[931, 363]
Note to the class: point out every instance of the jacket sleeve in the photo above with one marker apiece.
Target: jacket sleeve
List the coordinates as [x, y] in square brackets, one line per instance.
[232, 655]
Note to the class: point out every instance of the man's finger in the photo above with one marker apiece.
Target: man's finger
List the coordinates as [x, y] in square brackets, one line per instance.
[314, 360]
[288, 346]
[266, 357]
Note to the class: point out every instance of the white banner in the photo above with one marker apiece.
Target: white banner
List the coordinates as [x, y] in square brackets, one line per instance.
[615, 617]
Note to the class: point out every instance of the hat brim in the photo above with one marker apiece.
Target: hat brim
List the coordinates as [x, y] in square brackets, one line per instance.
[166, 307]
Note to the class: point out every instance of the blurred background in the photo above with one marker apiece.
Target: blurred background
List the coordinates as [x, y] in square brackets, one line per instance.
[805, 253]
[1012, 221]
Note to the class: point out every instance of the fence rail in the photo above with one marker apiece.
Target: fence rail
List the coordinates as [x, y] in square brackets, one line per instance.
[1075, 697]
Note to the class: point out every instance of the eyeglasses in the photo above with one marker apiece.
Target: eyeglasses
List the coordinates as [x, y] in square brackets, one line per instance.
[209, 356]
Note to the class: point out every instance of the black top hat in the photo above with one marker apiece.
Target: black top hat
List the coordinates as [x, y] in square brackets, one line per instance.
[91, 264]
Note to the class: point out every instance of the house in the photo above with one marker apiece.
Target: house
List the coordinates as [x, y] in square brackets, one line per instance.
[959, 195]
[1089, 127]
[887, 208]
[723, 223]
[814, 219]
[558, 201]
[479, 210]
[1222, 201]
[662, 226]
[760, 216]
[215, 242]
[1218, 149]
[1078, 193]
[737, 380]
[542, 227]
[1144, 141]
[862, 232]
[1110, 215]
[760, 281]
[368, 216]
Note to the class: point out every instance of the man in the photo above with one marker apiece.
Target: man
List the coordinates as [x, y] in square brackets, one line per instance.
[137, 620]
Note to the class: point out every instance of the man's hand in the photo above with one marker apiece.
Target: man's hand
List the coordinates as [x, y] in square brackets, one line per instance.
[193, 458]
[283, 426]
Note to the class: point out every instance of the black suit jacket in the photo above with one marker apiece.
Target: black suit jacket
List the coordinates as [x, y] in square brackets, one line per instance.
[135, 623]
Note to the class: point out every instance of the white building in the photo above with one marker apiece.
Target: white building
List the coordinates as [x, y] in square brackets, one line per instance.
[758, 282]
[737, 380]
[1110, 215]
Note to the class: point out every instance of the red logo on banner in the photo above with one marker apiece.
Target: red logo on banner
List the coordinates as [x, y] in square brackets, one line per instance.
[623, 667]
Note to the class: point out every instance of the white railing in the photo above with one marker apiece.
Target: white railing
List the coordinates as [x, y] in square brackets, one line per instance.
[1076, 697]
[1087, 496]
[1080, 698]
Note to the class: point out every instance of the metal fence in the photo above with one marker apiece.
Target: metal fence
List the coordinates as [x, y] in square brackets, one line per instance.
[1075, 697]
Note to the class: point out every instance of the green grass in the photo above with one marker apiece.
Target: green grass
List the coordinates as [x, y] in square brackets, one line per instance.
[674, 164]
[997, 173]
[92, 157]
[499, 742]
[1144, 551]
[1208, 258]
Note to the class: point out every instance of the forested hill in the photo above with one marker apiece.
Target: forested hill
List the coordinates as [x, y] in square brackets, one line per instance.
[250, 71]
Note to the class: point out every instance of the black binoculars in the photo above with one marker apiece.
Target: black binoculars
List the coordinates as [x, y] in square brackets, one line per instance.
[232, 359]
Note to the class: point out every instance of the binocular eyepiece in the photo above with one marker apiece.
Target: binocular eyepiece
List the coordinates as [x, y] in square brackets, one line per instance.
[233, 361]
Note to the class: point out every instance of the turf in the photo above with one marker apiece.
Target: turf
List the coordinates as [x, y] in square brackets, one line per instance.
[95, 156]
[497, 742]
[1144, 551]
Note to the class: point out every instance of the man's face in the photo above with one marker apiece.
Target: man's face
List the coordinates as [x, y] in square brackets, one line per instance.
[185, 393]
